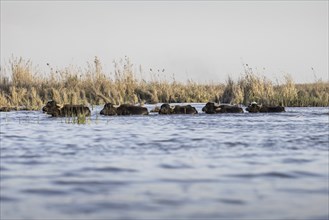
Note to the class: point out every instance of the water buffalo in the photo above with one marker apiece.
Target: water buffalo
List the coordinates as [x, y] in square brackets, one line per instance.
[56, 110]
[212, 108]
[254, 108]
[166, 109]
[125, 109]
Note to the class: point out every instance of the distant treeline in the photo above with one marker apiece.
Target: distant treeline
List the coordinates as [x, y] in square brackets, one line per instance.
[22, 85]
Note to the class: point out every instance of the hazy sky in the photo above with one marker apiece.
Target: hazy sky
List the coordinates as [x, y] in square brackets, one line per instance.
[200, 40]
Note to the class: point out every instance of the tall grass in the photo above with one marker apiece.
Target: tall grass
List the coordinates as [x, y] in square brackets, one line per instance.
[22, 84]
[252, 86]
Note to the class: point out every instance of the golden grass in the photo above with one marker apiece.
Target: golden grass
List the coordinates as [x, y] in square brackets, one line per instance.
[21, 84]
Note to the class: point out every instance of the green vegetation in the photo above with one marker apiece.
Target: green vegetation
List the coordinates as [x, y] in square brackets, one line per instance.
[21, 85]
[79, 119]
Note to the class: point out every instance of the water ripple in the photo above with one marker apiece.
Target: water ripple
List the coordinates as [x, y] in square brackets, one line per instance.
[90, 183]
[7, 199]
[246, 166]
[233, 201]
[296, 161]
[267, 174]
[175, 166]
[45, 192]
[109, 169]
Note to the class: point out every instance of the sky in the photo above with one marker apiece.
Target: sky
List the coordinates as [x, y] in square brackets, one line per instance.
[205, 41]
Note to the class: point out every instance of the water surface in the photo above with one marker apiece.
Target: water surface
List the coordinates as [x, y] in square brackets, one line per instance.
[241, 166]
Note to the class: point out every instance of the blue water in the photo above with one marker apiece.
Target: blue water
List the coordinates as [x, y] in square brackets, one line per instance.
[230, 166]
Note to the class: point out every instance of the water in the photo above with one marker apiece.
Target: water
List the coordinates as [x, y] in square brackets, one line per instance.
[236, 166]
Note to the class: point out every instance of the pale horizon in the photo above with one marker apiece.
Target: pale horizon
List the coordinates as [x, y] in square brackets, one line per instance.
[203, 41]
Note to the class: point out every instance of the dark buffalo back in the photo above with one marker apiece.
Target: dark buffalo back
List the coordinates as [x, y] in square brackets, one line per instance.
[272, 109]
[230, 109]
[185, 109]
[166, 109]
[74, 110]
[127, 109]
[254, 108]
[212, 108]
[52, 108]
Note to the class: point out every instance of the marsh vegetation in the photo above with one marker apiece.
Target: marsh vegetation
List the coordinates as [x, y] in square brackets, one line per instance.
[23, 85]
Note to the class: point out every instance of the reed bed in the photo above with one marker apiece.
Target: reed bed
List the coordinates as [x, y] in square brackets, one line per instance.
[23, 85]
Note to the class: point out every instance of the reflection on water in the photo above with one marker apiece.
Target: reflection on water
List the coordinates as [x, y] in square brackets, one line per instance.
[158, 166]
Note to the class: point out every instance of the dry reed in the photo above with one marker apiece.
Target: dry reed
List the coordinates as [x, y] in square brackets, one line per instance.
[21, 84]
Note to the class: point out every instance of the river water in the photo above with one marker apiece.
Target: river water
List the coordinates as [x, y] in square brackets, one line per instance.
[230, 166]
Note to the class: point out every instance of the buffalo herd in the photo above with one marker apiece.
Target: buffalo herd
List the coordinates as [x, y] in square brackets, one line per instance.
[56, 110]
